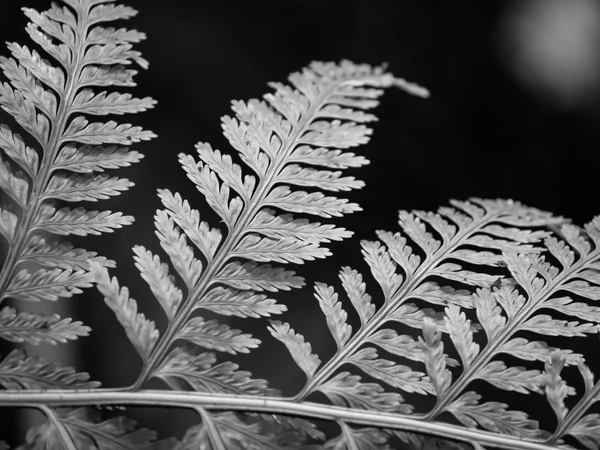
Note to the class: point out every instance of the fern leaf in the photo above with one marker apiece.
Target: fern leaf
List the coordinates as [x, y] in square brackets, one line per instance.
[14, 184]
[82, 131]
[87, 158]
[395, 375]
[183, 368]
[556, 388]
[213, 335]
[207, 240]
[345, 389]
[356, 291]
[175, 245]
[15, 148]
[263, 277]
[18, 371]
[78, 188]
[284, 226]
[225, 431]
[300, 350]
[46, 284]
[433, 355]
[87, 102]
[494, 416]
[51, 253]
[78, 221]
[35, 328]
[336, 316]
[156, 274]
[274, 139]
[231, 302]
[141, 332]
[81, 428]
[358, 439]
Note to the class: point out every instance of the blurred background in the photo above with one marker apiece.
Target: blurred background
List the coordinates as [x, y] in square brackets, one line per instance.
[514, 113]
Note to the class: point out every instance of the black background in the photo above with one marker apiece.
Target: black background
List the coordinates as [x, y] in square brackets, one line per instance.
[481, 134]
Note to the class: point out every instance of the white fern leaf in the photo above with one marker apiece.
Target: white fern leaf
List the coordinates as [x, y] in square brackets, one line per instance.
[358, 439]
[109, 103]
[82, 428]
[396, 375]
[216, 194]
[213, 335]
[282, 250]
[232, 302]
[335, 159]
[434, 358]
[536, 351]
[301, 351]
[206, 239]
[494, 416]
[513, 378]
[334, 313]
[347, 390]
[175, 245]
[82, 131]
[226, 431]
[183, 368]
[352, 282]
[35, 328]
[8, 224]
[310, 203]
[14, 184]
[18, 371]
[14, 146]
[78, 188]
[156, 274]
[46, 284]
[382, 267]
[141, 332]
[321, 179]
[43, 99]
[258, 277]
[284, 226]
[227, 170]
[556, 388]
[51, 253]
[87, 158]
[459, 329]
[78, 221]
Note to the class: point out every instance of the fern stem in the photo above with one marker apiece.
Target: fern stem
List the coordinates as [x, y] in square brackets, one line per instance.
[380, 316]
[491, 348]
[249, 403]
[230, 242]
[48, 155]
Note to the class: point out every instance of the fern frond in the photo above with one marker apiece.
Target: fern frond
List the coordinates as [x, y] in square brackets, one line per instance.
[273, 139]
[52, 101]
[17, 371]
[81, 428]
[35, 328]
[451, 235]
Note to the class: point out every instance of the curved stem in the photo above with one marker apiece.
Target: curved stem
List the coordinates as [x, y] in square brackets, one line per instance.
[249, 403]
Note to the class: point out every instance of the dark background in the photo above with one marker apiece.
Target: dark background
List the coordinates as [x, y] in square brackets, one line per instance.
[514, 113]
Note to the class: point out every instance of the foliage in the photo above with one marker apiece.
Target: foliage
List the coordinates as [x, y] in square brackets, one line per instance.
[473, 307]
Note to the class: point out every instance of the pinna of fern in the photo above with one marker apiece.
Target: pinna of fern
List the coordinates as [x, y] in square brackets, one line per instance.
[483, 234]
[51, 95]
[283, 141]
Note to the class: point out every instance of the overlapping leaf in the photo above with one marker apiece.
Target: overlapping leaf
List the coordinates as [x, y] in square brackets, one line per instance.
[52, 101]
[449, 245]
[81, 428]
[282, 141]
